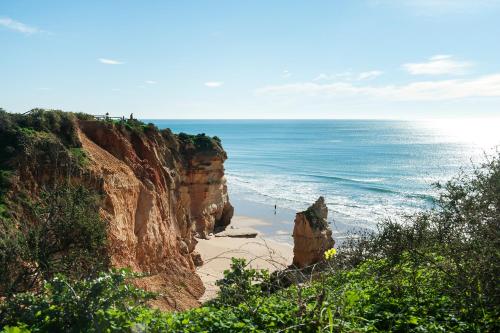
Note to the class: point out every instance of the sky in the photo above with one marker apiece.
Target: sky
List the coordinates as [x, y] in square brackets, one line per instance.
[210, 59]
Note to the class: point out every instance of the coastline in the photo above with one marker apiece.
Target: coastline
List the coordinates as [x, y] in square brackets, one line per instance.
[260, 252]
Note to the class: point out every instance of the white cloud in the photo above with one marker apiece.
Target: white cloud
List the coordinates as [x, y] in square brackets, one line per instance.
[332, 77]
[150, 82]
[349, 76]
[286, 74]
[438, 64]
[484, 86]
[213, 84]
[110, 61]
[369, 75]
[321, 77]
[18, 26]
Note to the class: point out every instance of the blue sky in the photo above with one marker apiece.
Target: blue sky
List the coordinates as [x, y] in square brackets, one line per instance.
[253, 59]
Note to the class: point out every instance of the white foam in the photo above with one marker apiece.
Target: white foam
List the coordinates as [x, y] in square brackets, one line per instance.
[297, 193]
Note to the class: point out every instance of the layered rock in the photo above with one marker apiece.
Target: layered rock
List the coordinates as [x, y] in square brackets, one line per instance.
[204, 185]
[158, 191]
[311, 235]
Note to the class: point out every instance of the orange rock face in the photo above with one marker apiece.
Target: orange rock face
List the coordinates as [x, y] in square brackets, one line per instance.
[204, 186]
[311, 235]
[158, 193]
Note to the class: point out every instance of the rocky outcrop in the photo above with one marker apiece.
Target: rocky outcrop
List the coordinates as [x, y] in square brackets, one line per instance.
[311, 235]
[204, 186]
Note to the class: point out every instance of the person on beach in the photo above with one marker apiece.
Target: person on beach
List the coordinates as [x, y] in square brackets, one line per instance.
[274, 209]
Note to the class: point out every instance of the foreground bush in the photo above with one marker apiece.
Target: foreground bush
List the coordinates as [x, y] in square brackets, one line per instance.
[103, 303]
[405, 299]
[109, 304]
[61, 232]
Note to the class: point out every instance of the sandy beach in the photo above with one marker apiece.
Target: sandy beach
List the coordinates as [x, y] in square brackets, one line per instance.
[260, 252]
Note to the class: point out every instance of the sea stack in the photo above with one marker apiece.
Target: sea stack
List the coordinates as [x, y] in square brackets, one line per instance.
[311, 235]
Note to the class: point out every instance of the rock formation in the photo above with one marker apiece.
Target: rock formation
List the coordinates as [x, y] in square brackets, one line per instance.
[311, 235]
[204, 186]
[159, 190]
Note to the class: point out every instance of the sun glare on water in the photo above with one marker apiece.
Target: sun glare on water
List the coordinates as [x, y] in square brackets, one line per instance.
[482, 132]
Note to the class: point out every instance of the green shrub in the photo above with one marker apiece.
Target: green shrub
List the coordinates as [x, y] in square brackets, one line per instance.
[377, 296]
[18, 131]
[84, 116]
[134, 125]
[5, 183]
[240, 284]
[80, 156]
[382, 296]
[103, 304]
[200, 141]
[60, 123]
[61, 232]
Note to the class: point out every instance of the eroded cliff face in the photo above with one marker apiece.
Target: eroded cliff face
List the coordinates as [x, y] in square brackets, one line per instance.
[311, 235]
[159, 193]
[158, 190]
[204, 186]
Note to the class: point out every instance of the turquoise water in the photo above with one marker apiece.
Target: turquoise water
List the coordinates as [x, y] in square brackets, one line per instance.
[366, 169]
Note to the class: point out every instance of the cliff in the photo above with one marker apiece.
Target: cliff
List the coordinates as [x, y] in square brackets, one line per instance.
[311, 235]
[204, 184]
[158, 191]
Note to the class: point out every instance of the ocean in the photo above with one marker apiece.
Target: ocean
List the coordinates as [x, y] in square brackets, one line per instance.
[367, 170]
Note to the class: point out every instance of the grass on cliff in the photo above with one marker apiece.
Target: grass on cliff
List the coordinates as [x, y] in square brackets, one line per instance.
[435, 272]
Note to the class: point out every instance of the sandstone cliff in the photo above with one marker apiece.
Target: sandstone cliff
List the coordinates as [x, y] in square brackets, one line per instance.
[311, 235]
[159, 190]
[204, 185]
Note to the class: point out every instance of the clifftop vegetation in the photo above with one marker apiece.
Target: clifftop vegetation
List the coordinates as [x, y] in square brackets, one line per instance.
[37, 136]
[200, 143]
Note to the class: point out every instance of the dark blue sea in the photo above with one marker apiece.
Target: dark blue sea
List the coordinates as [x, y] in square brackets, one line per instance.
[366, 169]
